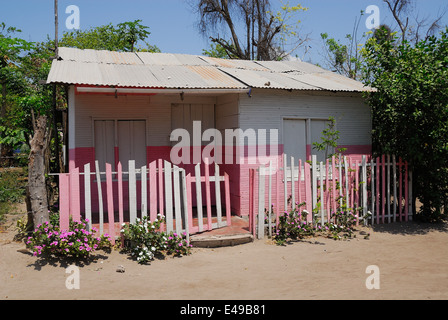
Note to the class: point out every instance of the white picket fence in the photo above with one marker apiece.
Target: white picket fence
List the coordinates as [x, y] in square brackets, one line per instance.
[381, 187]
[165, 189]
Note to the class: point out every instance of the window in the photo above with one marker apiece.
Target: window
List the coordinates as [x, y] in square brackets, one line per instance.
[129, 136]
[299, 136]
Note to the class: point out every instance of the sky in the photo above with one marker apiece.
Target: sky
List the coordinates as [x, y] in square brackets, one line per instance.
[172, 23]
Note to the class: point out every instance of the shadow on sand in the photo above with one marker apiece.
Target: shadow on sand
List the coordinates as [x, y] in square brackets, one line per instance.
[411, 227]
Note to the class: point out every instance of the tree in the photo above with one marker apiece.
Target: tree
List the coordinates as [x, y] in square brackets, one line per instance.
[401, 10]
[266, 34]
[410, 111]
[123, 37]
[218, 51]
[345, 58]
[12, 82]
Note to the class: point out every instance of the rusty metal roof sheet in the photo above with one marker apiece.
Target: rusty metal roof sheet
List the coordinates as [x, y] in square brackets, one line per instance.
[182, 71]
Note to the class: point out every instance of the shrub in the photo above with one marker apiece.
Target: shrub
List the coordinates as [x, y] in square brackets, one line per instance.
[293, 225]
[48, 240]
[144, 240]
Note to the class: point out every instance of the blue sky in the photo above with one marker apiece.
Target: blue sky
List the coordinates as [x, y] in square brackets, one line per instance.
[172, 22]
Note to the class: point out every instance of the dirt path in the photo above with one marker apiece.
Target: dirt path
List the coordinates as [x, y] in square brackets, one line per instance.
[412, 261]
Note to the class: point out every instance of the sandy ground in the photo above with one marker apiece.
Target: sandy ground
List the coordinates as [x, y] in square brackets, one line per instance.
[412, 260]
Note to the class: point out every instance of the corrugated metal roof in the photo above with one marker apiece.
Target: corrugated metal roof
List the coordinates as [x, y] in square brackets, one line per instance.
[182, 71]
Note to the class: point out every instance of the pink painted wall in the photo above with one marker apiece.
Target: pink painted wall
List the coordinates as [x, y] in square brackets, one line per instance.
[238, 174]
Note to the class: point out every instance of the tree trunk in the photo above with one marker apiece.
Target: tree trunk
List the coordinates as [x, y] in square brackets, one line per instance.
[37, 191]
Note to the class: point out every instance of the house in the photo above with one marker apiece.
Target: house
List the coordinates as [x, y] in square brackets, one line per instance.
[126, 106]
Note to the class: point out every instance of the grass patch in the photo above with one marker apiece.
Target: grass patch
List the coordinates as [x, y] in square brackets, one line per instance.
[12, 189]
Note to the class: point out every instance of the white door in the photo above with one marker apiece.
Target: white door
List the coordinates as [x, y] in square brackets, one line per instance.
[104, 143]
[183, 115]
[132, 142]
[294, 139]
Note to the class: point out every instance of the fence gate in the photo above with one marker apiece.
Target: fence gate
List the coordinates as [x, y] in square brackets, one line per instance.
[110, 199]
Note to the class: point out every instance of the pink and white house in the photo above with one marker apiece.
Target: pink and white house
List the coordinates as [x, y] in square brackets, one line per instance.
[125, 106]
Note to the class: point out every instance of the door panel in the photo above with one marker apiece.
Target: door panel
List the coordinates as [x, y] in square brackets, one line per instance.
[132, 142]
[294, 138]
[104, 143]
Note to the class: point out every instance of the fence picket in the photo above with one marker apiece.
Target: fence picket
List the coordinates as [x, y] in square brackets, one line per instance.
[261, 199]
[333, 172]
[197, 169]
[120, 193]
[322, 199]
[364, 187]
[87, 198]
[394, 164]
[75, 201]
[144, 197]
[207, 194]
[270, 198]
[218, 196]
[100, 197]
[327, 191]
[285, 184]
[132, 191]
[64, 201]
[186, 220]
[308, 194]
[388, 188]
[299, 185]
[160, 175]
[177, 202]
[168, 197]
[110, 202]
[406, 190]
[314, 180]
[153, 190]
[293, 183]
[227, 196]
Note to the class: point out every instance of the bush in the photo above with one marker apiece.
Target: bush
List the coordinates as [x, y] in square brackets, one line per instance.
[144, 240]
[48, 240]
[293, 225]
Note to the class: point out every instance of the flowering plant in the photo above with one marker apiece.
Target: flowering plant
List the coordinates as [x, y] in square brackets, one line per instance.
[77, 241]
[293, 225]
[144, 240]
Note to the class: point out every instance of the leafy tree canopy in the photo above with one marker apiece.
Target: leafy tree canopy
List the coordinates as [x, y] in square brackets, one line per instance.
[410, 109]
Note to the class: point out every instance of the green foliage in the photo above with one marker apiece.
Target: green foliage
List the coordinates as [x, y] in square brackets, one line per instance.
[294, 226]
[144, 240]
[12, 190]
[344, 56]
[12, 186]
[410, 111]
[329, 140]
[218, 51]
[78, 242]
[122, 37]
